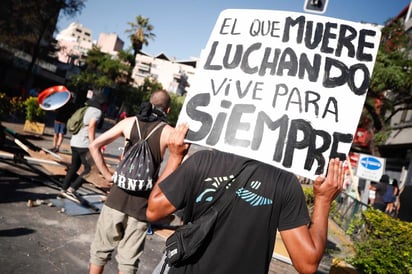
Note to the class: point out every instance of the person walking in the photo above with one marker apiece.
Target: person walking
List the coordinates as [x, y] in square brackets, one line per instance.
[79, 146]
[61, 116]
[380, 189]
[122, 223]
[390, 197]
[267, 199]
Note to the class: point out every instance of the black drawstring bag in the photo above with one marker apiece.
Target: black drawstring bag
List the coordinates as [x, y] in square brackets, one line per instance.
[136, 171]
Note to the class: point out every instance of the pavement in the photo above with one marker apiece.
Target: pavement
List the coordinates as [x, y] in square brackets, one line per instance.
[37, 237]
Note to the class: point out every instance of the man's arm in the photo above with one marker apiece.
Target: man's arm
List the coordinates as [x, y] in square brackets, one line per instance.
[158, 205]
[372, 186]
[91, 128]
[305, 244]
[104, 139]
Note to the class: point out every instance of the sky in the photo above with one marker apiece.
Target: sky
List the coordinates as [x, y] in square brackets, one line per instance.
[182, 27]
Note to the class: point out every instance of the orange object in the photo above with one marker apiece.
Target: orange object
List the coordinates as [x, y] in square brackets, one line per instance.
[53, 97]
[45, 93]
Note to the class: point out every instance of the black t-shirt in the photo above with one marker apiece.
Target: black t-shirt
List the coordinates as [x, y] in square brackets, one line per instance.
[380, 189]
[245, 232]
[63, 114]
[135, 204]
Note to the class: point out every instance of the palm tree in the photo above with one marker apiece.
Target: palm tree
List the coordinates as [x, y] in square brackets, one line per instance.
[140, 34]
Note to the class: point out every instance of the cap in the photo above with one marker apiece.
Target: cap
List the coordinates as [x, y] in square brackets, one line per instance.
[99, 98]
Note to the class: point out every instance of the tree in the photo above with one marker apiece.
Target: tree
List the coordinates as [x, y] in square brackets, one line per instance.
[176, 105]
[136, 96]
[29, 25]
[127, 58]
[390, 89]
[101, 70]
[140, 34]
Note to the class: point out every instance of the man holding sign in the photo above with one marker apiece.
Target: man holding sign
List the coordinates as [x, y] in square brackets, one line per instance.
[287, 90]
[267, 199]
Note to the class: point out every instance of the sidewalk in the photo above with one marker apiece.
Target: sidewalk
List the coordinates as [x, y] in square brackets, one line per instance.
[46, 241]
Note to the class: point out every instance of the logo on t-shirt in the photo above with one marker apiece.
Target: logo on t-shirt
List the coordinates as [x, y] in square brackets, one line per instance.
[249, 196]
[252, 198]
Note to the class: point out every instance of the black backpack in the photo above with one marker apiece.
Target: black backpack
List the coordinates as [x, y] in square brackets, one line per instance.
[136, 171]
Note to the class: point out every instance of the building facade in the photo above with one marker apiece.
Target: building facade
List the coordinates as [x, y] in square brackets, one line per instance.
[175, 76]
[110, 43]
[74, 42]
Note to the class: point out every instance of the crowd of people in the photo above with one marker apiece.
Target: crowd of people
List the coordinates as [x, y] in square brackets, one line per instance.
[123, 221]
[124, 218]
[245, 231]
[384, 195]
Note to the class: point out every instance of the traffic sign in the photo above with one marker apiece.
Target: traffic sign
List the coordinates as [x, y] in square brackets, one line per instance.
[315, 6]
[370, 167]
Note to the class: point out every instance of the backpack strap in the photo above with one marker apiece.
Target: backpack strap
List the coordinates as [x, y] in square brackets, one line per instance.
[151, 132]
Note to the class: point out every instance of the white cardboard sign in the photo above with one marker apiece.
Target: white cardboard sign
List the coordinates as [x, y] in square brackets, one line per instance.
[281, 87]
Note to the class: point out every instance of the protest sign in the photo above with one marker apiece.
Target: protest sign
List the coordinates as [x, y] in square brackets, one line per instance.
[281, 87]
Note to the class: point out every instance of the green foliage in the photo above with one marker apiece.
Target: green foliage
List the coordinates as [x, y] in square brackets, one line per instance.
[17, 105]
[11, 105]
[29, 26]
[393, 65]
[133, 100]
[5, 105]
[385, 245]
[391, 80]
[25, 23]
[355, 229]
[33, 111]
[310, 198]
[148, 86]
[380, 137]
[175, 108]
[141, 31]
[134, 97]
[101, 70]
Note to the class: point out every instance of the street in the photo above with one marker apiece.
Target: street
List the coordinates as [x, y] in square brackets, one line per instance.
[42, 239]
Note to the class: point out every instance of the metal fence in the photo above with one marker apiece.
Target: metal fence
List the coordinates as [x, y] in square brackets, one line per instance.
[347, 208]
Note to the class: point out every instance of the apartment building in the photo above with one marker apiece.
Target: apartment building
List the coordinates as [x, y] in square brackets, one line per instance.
[110, 43]
[74, 42]
[175, 76]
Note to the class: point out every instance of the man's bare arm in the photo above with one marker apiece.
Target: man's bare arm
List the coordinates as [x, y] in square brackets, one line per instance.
[158, 205]
[305, 244]
[91, 129]
[104, 139]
